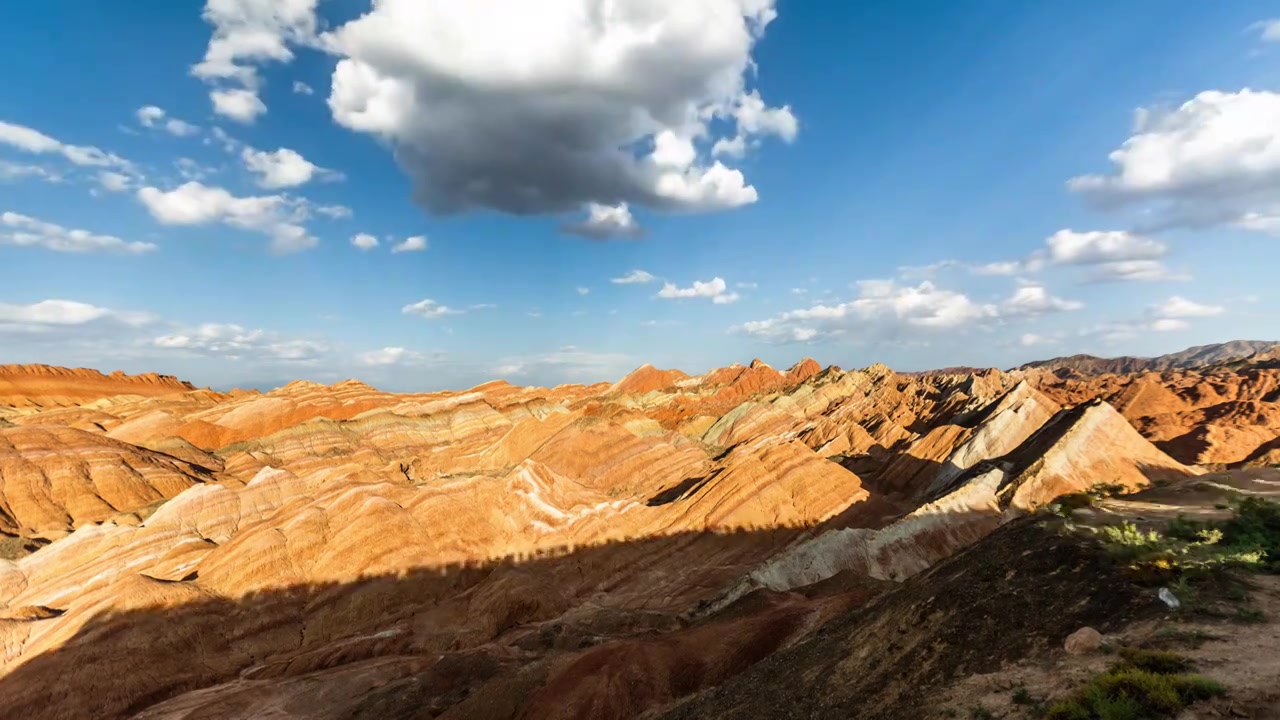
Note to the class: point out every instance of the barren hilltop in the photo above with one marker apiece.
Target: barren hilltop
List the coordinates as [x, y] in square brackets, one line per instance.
[750, 542]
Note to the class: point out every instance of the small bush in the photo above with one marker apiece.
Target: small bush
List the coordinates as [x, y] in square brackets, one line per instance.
[1022, 697]
[1143, 684]
[1160, 662]
[978, 712]
[1249, 616]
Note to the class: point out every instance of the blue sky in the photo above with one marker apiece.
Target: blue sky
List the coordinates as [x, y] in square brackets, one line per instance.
[916, 183]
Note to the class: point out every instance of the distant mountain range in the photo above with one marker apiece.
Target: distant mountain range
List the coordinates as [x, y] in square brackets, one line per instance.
[1197, 356]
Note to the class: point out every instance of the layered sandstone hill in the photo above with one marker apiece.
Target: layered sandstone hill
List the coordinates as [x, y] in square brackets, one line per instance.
[506, 552]
[1213, 415]
[46, 386]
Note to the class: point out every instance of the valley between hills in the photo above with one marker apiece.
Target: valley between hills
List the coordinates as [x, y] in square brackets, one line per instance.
[808, 542]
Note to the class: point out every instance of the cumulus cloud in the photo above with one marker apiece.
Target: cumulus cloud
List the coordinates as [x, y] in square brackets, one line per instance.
[33, 141]
[1068, 247]
[715, 289]
[152, 116]
[429, 309]
[1105, 255]
[277, 216]
[1172, 314]
[60, 313]
[390, 356]
[364, 241]
[606, 221]
[609, 102]
[301, 88]
[1268, 30]
[1033, 300]
[24, 231]
[239, 104]
[1032, 339]
[334, 212]
[1007, 267]
[635, 277]
[248, 33]
[1134, 270]
[881, 308]
[417, 243]
[755, 119]
[114, 181]
[16, 171]
[234, 342]
[1214, 160]
[584, 291]
[283, 168]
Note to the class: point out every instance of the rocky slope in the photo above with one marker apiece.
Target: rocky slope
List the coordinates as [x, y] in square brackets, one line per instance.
[503, 552]
[1198, 356]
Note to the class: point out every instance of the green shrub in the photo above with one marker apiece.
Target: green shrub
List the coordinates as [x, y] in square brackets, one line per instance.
[1143, 684]
[1248, 615]
[1161, 662]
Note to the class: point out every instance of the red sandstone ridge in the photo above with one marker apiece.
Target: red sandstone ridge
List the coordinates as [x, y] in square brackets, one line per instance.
[44, 385]
[509, 553]
[803, 370]
[648, 378]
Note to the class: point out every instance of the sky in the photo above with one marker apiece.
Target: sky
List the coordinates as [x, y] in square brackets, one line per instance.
[431, 194]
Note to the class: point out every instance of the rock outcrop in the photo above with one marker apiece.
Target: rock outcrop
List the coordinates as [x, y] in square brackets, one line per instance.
[506, 550]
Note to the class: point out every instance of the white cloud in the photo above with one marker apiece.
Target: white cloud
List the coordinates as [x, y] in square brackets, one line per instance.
[451, 91]
[390, 356]
[606, 221]
[14, 171]
[114, 181]
[334, 212]
[235, 342]
[927, 272]
[1180, 307]
[1110, 255]
[1214, 160]
[1068, 247]
[193, 203]
[882, 307]
[584, 291]
[239, 104]
[224, 139]
[181, 128]
[417, 243]
[746, 285]
[36, 142]
[149, 115]
[364, 241]
[755, 119]
[301, 88]
[1268, 30]
[64, 313]
[26, 231]
[1169, 325]
[1031, 339]
[635, 277]
[1135, 270]
[1011, 267]
[283, 168]
[247, 33]
[154, 117]
[429, 309]
[714, 289]
[1033, 300]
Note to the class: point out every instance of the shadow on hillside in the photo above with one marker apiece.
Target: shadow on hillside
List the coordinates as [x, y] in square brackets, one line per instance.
[599, 631]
